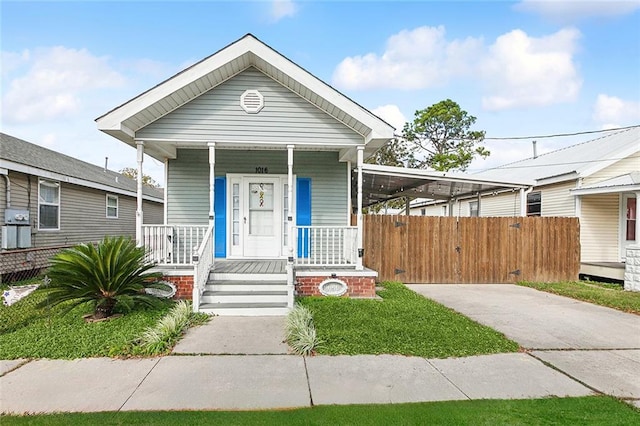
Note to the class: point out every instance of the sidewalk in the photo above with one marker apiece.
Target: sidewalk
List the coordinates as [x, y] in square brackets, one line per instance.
[248, 382]
[241, 363]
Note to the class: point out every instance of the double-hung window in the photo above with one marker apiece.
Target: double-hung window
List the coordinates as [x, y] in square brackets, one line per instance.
[112, 206]
[534, 204]
[48, 205]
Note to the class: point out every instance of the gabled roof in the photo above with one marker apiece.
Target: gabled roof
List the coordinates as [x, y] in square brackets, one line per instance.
[576, 161]
[623, 183]
[25, 157]
[125, 120]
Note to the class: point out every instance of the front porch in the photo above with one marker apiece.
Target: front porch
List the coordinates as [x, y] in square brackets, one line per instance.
[324, 261]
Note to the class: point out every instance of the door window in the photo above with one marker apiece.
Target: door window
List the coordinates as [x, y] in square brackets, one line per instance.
[261, 209]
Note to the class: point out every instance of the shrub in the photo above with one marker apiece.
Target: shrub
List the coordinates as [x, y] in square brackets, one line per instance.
[110, 274]
[300, 331]
[158, 339]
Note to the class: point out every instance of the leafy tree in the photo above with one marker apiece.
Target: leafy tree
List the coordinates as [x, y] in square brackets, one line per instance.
[442, 132]
[132, 173]
[396, 152]
[111, 273]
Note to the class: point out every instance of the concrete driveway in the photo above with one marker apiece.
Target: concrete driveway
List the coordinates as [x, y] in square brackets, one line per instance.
[598, 346]
[538, 320]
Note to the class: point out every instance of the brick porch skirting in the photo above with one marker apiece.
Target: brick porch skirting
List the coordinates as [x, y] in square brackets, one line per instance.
[184, 285]
[357, 286]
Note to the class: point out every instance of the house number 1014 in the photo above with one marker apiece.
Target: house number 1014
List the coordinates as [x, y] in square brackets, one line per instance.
[262, 170]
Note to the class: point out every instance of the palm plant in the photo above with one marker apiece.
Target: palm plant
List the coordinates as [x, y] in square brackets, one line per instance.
[113, 272]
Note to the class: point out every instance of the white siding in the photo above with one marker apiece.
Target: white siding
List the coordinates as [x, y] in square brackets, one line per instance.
[217, 116]
[505, 204]
[557, 200]
[627, 165]
[600, 228]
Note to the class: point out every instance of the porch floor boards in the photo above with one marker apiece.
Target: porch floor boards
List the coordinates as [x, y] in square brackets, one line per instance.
[226, 266]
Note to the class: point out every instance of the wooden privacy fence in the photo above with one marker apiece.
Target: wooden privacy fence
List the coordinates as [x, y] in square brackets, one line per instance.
[426, 249]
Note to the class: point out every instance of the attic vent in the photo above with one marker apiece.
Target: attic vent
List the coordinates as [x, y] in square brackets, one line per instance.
[252, 101]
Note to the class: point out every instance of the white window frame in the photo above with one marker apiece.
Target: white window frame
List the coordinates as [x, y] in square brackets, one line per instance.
[49, 183]
[117, 207]
[473, 204]
[530, 204]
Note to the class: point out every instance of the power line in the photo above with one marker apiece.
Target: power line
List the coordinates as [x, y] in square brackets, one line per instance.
[556, 135]
[588, 132]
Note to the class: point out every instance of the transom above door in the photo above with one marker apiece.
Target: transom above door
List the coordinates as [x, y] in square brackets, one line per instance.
[257, 212]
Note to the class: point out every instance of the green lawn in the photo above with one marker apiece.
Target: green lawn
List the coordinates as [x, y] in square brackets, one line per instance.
[30, 332]
[594, 410]
[402, 323]
[610, 295]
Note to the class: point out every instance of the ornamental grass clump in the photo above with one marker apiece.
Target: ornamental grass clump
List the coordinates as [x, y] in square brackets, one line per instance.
[300, 331]
[111, 274]
[163, 336]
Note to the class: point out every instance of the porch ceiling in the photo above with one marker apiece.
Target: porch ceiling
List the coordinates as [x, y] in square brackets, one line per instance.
[384, 183]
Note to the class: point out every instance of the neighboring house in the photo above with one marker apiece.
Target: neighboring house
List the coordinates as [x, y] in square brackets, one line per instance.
[597, 181]
[259, 156]
[49, 200]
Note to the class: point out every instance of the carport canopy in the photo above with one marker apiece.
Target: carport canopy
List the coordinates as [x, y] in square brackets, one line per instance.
[385, 183]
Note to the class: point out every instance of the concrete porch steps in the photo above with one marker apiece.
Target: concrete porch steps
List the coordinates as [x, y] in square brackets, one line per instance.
[241, 294]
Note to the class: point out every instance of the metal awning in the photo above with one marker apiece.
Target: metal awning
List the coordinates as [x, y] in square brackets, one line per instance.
[384, 183]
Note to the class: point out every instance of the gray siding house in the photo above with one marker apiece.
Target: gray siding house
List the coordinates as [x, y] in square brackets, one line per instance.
[260, 158]
[49, 201]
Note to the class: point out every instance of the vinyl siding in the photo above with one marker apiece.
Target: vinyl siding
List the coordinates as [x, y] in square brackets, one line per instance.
[600, 228]
[627, 165]
[285, 119]
[506, 204]
[82, 212]
[188, 181]
[557, 200]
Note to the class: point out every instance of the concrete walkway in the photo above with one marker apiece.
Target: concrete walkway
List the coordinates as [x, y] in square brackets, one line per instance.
[242, 363]
[597, 346]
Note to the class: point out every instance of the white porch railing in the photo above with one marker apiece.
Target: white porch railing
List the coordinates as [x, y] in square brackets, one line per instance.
[172, 244]
[202, 264]
[325, 245]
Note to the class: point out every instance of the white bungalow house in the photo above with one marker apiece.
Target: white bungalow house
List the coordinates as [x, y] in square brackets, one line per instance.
[597, 181]
[258, 156]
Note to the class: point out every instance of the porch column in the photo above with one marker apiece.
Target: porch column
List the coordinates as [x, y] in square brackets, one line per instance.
[479, 204]
[212, 181]
[139, 218]
[359, 266]
[523, 202]
[290, 223]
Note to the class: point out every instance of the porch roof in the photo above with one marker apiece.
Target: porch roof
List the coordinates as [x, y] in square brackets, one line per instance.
[624, 183]
[125, 120]
[383, 183]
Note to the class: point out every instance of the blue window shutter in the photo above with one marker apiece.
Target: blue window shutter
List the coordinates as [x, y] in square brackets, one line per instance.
[303, 213]
[220, 207]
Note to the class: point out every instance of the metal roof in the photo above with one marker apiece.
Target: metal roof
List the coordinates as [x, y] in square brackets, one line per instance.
[383, 183]
[21, 152]
[580, 160]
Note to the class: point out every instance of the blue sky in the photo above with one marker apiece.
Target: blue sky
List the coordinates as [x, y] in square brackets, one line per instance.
[522, 68]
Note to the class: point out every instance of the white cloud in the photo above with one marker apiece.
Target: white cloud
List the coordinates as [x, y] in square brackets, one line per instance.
[574, 10]
[283, 9]
[520, 70]
[54, 83]
[611, 112]
[392, 115]
[517, 70]
[414, 59]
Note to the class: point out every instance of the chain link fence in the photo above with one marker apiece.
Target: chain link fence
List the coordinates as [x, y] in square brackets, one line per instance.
[17, 266]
